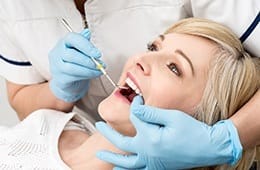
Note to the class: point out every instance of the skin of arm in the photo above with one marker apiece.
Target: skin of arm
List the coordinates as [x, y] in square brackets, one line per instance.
[247, 121]
[25, 99]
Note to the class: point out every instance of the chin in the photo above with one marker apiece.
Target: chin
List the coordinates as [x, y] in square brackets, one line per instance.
[113, 111]
[116, 114]
[102, 109]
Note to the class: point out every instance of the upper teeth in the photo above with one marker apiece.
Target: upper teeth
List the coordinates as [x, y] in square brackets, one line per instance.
[132, 85]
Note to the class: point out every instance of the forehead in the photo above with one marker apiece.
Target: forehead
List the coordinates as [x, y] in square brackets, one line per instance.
[192, 46]
[184, 40]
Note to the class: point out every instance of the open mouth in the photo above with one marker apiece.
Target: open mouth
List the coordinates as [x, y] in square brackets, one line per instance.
[131, 91]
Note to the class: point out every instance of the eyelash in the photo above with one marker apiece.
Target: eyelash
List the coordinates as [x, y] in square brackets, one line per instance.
[174, 68]
[152, 47]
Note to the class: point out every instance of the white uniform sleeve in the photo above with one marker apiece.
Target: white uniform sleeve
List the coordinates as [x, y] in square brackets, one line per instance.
[238, 15]
[28, 31]
[14, 66]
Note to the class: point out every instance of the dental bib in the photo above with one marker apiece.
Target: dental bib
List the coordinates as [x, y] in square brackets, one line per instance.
[33, 143]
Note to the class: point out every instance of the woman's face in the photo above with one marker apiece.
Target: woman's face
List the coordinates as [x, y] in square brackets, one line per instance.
[172, 75]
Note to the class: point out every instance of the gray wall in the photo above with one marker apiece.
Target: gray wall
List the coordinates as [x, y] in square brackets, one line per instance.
[7, 115]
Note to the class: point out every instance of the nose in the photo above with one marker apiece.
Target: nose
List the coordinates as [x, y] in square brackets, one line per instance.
[143, 64]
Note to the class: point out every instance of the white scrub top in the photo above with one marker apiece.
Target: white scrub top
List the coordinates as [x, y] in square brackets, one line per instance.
[239, 15]
[30, 29]
[119, 28]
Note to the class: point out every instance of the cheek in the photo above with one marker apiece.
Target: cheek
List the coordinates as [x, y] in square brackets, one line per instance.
[116, 114]
[169, 95]
[162, 96]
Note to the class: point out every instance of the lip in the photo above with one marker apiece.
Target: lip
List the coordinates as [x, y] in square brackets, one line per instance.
[133, 79]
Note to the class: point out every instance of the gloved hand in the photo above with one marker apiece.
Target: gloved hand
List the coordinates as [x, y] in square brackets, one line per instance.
[71, 66]
[171, 139]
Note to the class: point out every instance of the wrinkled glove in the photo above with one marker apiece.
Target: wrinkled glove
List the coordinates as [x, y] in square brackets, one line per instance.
[71, 66]
[171, 139]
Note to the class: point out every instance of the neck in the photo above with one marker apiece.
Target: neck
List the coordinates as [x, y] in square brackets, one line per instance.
[78, 150]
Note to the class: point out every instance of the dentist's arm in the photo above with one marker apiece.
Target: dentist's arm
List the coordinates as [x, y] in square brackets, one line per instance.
[26, 99]
[71, 69]
[247, 121]
[172, 131]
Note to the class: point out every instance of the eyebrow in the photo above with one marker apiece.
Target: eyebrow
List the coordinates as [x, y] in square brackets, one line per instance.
[162, 37]
[178, 51]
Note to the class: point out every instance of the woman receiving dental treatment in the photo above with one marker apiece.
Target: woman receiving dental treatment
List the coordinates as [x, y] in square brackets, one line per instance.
[197, 67]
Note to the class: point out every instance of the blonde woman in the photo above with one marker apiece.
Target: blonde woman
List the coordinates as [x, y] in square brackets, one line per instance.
[231, 48]
[181, 70]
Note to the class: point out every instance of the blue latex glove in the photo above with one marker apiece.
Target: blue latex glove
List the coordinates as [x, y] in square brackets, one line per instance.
[170, 139]
[71, 66]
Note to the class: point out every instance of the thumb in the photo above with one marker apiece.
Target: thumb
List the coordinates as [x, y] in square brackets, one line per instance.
[136, 104]
[152, 115]
[138, 100]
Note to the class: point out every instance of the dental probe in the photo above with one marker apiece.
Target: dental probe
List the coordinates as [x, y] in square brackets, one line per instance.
[98, 65]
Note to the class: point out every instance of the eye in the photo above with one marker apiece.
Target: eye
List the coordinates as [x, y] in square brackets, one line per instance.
[152, 47]
[174, 68]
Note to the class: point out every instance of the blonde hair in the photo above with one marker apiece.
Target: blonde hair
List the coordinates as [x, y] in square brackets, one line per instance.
[233, 77]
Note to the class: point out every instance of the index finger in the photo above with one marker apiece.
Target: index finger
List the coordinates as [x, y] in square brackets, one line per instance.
[82, 44]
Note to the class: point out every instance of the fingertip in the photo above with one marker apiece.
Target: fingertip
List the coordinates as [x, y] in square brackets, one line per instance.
[99, 124]
[102, 63]
[94, 52]
[99, 154]
[86, 33]
[139, 99]
[136, 104]
[104, 155]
